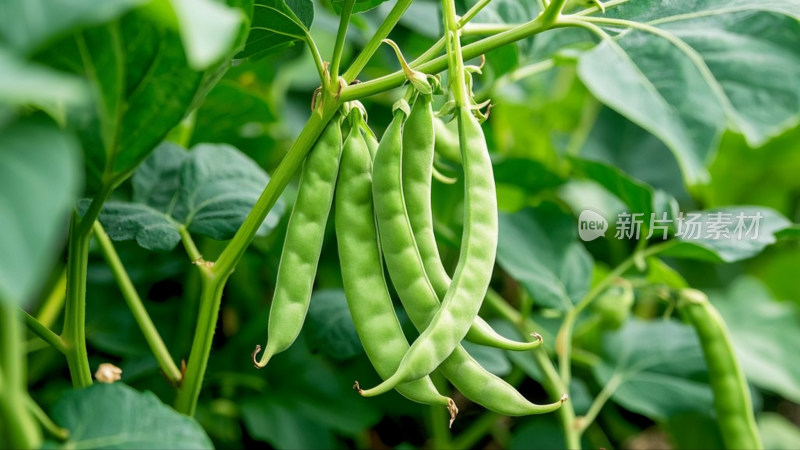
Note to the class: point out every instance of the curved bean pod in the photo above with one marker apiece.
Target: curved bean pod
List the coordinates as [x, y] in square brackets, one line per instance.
[470, 378]
[476, 262]
[362, 273]
[417, 167]
[303, 244]
[731, 395]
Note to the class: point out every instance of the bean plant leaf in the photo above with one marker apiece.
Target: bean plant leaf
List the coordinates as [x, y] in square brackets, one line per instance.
[778, 432]
[143, 86]
[726, 234]
[656, 365]
[26, 83]
[329, 326]
[764, 334]
[39, 181]
[208, 30]
[686, 77]
[118, 416]
[28, 24]
[277, 25]
[209, 190]
[358, 6]
[540, 249]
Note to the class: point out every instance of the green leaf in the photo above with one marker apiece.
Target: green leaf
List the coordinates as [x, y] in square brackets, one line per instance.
[276, 25]
[778, 432]
[208, 29]
[540, 249]
[329, 326]
[27, 24]
[727, 234]
[39, 181]
[358, 6]
[655, 362]
[696, 78]
[118, 416]
[209, 190]
[27, 83]
[765, 333]
[492, 359]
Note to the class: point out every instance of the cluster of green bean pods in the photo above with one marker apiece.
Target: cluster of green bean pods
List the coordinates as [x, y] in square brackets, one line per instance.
[382, 215]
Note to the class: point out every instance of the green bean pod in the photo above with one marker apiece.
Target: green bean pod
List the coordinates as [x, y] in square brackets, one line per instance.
[303, 244]
[362, 273]
[470, 378]
[470, 282]
[731, 395]
[417, 167]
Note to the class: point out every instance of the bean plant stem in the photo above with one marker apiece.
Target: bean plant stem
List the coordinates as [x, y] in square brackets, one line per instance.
[375, 41]
[344, 22]
[47, 423]
[472, 12]
[599, 401]
[19, 427]
[564, 339]
[54, 302]
[210, 298]
[43, 332]
[455, 60]
[439, 64]
[74, 331]
[151, 335]
[552, 382]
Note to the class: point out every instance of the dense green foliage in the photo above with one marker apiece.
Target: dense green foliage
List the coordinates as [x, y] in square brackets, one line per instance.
[151, 150]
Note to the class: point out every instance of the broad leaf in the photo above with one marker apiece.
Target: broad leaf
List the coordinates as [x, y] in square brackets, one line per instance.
[693, 76]
[28, 24]
[778, 432]
[765, 334]
[143, 86]
[726, 234]
[492, 359]
[540, 249]
[208, 30]
[654, 362]
[209, 190]
[329, 325]
[118, 416]
[276, 25]
[39, 181]
[26, 83]
[358, 6]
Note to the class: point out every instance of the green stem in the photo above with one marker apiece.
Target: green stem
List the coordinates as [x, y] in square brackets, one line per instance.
[210, 298]
[134, 302]
[564, 339]
[375, 41]
[432, 51]
[280, 178]
[43, 332]
[341, 34]
[47, 423]
[455, 59]
[552, 382]
[476, 431]
[54, 302]
[317, 57]
[74, 331]
[19, 428]
[599, 401]
[472, 12]
[436, 65]
[193, 252]
[553, 11]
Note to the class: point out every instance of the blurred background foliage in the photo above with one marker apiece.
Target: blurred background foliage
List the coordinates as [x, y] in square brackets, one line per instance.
[541, 123]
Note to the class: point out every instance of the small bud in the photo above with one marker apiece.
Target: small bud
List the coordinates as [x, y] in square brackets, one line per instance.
[108, 373]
